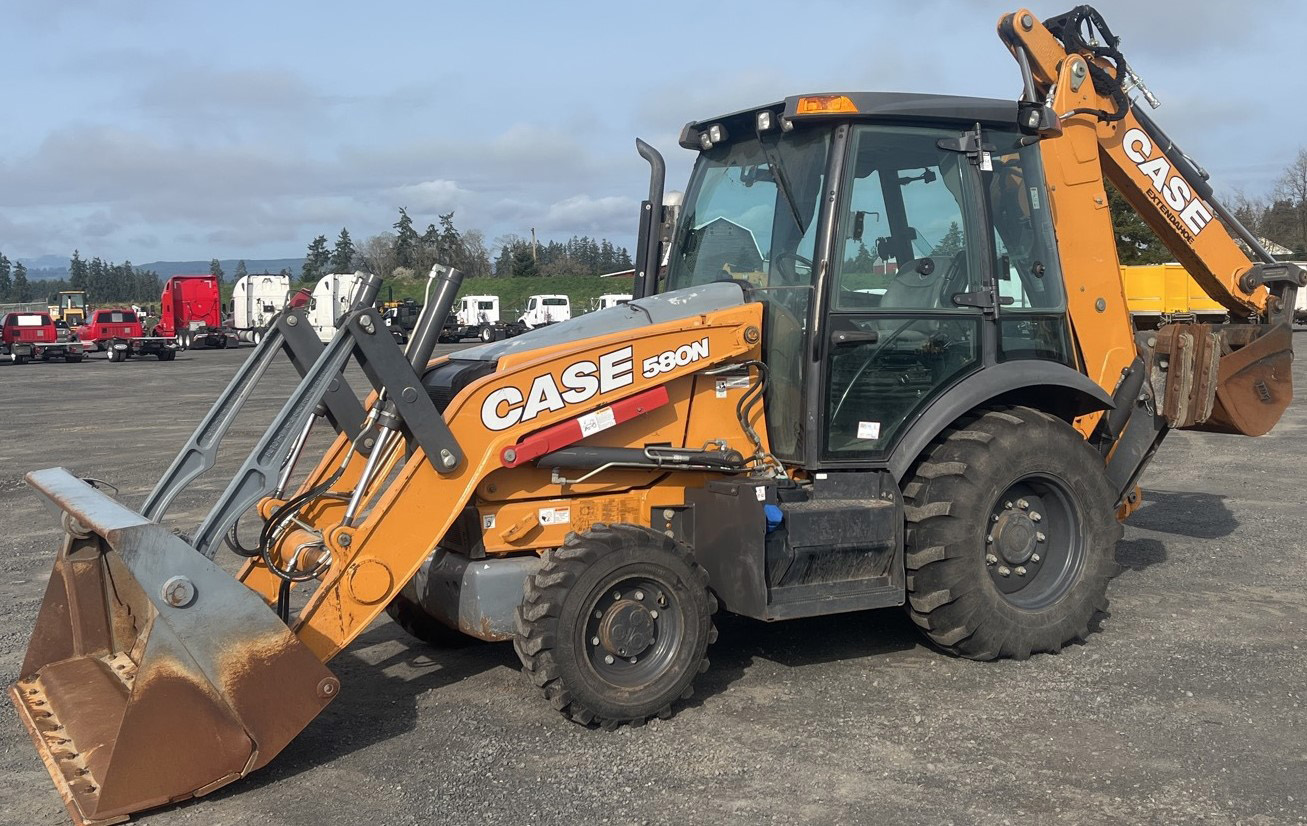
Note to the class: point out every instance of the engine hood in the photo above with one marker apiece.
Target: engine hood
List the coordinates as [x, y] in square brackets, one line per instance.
[633, 315]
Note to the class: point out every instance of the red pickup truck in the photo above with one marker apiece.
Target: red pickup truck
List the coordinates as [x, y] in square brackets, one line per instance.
[25, 336]
[119, 332]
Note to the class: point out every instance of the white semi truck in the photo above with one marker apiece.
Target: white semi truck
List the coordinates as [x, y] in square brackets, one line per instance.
[608, 300]
[333, 296]
[255, 299]
[543, 310]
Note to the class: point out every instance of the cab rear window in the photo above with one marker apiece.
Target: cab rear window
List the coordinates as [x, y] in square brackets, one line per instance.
[29, 320]
[116, 317]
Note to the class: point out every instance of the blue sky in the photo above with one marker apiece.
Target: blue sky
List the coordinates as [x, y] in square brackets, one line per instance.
[170, 130]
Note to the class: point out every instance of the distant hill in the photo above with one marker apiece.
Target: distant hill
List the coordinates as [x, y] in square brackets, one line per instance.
[52, 267]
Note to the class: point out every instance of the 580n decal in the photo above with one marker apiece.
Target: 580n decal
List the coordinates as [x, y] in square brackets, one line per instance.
[580, 381]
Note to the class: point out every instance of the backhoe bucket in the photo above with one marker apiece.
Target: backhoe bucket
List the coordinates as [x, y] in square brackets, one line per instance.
[1226, 378]
[152, 675]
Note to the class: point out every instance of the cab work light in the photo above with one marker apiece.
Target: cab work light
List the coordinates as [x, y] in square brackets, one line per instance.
[825, 105]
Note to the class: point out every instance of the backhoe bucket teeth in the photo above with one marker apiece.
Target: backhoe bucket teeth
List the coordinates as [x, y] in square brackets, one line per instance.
[153, 675]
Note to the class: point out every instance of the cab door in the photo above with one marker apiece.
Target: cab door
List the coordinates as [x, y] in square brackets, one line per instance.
[909, 261]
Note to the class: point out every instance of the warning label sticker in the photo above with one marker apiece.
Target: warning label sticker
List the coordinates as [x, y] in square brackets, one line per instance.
[868, 430]
[555, 516]
[596, 421]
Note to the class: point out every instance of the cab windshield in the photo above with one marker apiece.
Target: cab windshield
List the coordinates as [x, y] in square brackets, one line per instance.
[750, 213]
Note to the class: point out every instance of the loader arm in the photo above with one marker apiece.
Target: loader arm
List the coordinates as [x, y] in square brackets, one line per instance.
[408, 514]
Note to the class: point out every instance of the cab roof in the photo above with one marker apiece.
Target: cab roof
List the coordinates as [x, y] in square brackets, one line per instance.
[826, 106]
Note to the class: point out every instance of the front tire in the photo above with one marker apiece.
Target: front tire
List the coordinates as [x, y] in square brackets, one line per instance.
[615, 625]
[1011, 531]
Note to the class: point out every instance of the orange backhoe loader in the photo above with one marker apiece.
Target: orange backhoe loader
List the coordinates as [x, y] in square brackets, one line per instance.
[880, 354]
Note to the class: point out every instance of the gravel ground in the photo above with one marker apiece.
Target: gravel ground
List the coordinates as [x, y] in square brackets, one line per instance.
[1187, 707]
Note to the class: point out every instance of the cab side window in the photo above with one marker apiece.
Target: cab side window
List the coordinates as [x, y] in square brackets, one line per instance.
[904, 237]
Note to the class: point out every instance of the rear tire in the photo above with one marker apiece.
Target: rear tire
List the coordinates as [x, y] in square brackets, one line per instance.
[166, 355]
[615, 625]
[1011, 531]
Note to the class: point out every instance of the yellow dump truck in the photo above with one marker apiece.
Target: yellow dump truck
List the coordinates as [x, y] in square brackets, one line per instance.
[1159, 294]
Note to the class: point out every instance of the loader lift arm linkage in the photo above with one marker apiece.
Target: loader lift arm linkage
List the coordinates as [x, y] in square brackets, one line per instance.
[153, 676]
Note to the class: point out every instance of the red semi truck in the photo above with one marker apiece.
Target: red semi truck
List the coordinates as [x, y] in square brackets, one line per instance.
[191, 312]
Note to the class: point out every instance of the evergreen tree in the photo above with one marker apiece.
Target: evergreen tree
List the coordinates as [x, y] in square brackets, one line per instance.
[6, 283]
[524, 264]
[215, 269]
[1136, 243]
[21, 290]
[406, 240]
[504, 262]
[316, 259]
[951, 243]
[241, 270]
[450, 245]
[77, 271]
[342, 257]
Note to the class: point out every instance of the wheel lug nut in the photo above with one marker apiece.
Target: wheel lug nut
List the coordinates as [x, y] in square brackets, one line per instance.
[617, 594]
[989, 539]
[1023, 504]
[599, 614]
[1034, 557]
[993, 518]
[594, 640]
[608, 658]
[639, 595]
[990, 559]
[1007, 506]
[633, 661]
[1039, 536]
[1021, 570]
[653, 614]
[1035, 517]
[1003, 570]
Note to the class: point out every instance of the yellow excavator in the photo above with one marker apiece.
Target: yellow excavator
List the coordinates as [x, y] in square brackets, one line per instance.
[879, 355]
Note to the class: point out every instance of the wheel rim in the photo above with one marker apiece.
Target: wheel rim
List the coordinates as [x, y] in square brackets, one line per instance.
[634, 630]
[1034, 545]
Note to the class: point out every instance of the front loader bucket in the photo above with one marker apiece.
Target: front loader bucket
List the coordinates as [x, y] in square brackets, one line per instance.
[152, 675]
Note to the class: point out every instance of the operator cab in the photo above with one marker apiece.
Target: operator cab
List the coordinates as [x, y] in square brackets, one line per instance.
[901, 243]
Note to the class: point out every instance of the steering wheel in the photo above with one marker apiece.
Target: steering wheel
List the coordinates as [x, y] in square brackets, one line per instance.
[791, 272]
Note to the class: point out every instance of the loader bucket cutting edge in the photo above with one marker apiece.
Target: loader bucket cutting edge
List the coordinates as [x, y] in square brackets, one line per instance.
[152, 675]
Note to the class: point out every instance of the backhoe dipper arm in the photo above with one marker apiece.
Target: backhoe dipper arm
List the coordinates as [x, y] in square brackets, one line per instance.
[1078, 70]
[1232, 378]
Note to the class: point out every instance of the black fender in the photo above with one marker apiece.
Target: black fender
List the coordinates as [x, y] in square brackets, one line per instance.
[1044, 385]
